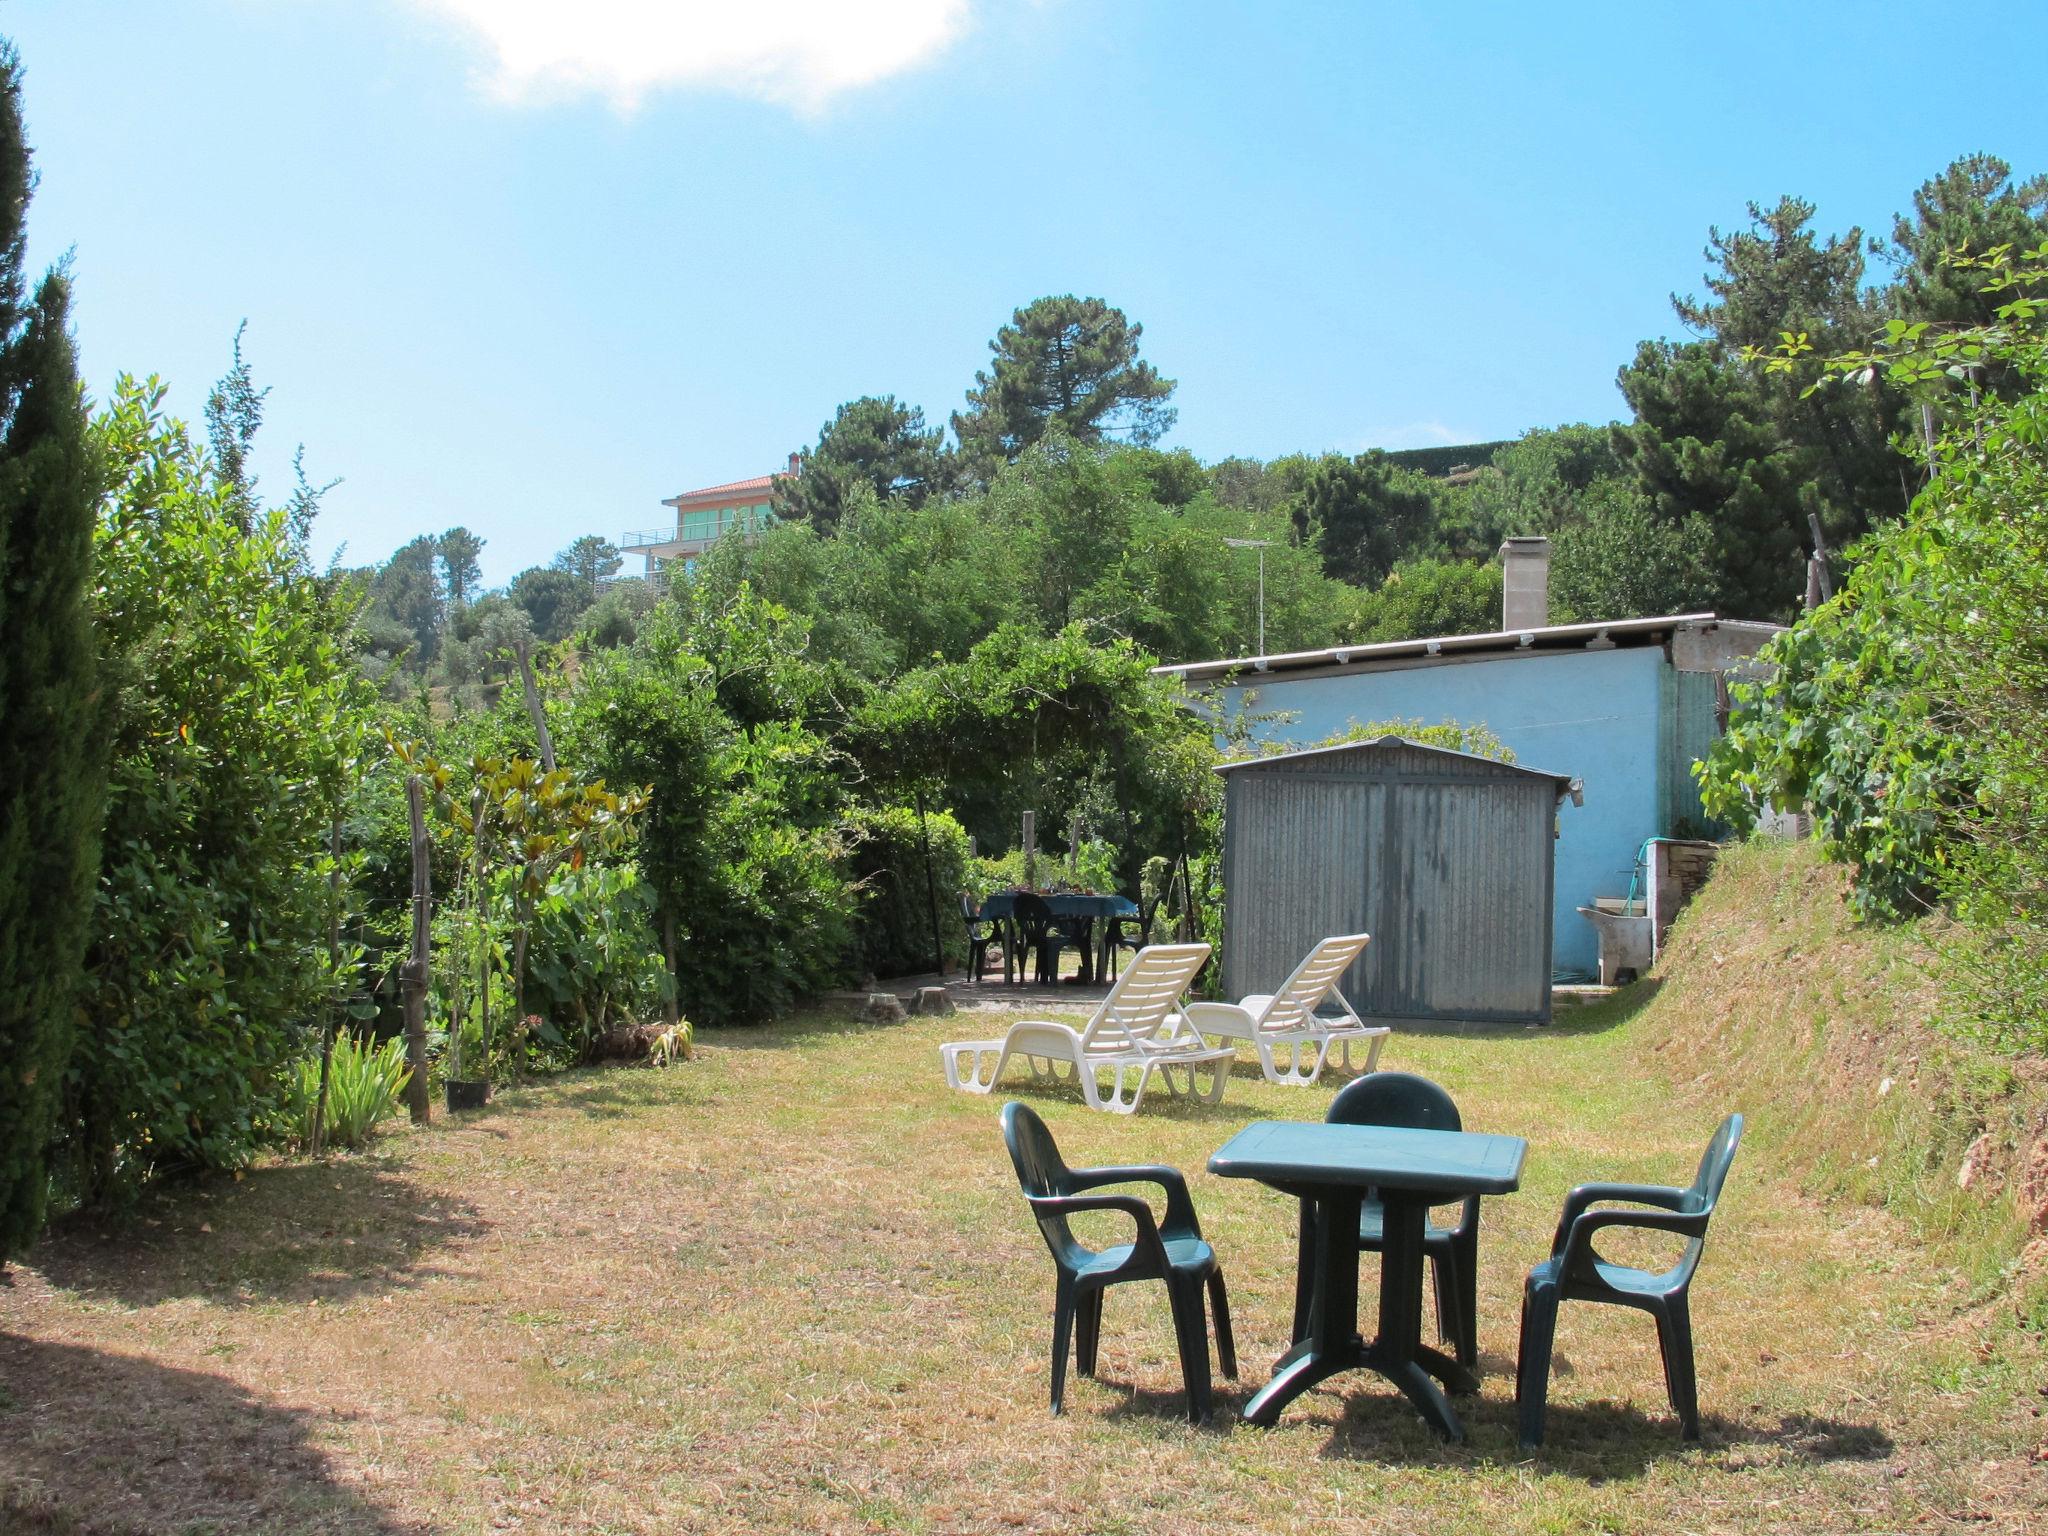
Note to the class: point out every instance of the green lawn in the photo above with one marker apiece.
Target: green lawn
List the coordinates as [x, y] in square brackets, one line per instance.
[791, 1287]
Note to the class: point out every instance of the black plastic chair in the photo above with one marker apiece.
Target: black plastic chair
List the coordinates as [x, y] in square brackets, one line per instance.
[1037, 936]
[980, 934]
[1575, 1272]
[1134, 938]
[1403, 1099]
[1171, 1249]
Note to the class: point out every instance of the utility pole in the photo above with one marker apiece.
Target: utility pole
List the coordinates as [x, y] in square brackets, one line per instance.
[1261, 545]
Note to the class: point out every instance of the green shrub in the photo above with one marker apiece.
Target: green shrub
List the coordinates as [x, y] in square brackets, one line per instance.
[365, 1084]
[236, 722]
[742, 839]
[893, 926]
[595, 958]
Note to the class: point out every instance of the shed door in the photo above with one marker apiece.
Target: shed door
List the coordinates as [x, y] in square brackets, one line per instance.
[1456, 902]
[1298, 850]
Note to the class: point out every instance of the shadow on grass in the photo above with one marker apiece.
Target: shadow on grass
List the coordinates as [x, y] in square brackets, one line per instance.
[92, 1442]
[1598, 1442]
[289, 1233]
[1570, 1020]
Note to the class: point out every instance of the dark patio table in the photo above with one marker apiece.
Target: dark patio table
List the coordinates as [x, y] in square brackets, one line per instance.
[1333, 1166]
[1000, 905]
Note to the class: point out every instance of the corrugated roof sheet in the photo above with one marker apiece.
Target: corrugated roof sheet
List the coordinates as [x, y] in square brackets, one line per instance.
[1552, 635]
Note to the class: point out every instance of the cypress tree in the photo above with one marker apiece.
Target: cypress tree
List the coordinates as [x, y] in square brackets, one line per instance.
[52, 771]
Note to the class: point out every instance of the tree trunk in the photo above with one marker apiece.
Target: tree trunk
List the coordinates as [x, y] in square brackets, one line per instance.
[414, 973]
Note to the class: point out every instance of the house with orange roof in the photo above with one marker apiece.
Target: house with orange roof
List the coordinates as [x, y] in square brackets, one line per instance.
[703, 517]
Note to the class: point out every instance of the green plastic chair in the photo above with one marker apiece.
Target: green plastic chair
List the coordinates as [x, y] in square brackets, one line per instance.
[1416, 1103]
[1575, 1272]
[1171, 1250]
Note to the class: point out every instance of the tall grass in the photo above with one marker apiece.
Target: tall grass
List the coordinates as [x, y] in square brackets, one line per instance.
[364, 1085]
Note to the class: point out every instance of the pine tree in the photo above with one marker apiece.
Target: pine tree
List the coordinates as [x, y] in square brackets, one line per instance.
[51, 768]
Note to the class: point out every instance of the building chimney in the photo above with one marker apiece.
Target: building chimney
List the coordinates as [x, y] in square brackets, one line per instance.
[1525, 583]
[796, 465]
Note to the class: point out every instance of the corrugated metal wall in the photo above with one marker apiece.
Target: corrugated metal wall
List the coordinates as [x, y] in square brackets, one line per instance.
[1445, 860]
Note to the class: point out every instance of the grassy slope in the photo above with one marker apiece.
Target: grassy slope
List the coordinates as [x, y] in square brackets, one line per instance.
[789, 1288]
[1772, 998]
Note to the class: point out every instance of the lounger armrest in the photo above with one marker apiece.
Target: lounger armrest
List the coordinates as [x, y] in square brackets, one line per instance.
[1223, 1018]
[1577, 1244]
[1131, 1206]
[1180, 1208]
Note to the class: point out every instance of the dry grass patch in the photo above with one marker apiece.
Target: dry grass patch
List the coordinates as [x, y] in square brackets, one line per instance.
[790, 1287]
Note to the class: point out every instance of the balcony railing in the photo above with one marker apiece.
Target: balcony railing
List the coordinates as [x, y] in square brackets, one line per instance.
[649, 536]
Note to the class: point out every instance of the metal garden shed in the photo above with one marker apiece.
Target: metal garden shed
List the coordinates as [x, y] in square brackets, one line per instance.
[1445, 858]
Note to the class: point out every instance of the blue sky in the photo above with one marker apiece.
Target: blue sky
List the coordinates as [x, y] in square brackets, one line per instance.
[531, 267]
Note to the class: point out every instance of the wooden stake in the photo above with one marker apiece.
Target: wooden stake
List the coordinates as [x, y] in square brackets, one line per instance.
[931, 889]
[413, 974]
[1030, 836]
[327, 1032]
[533, 707]
[1820, 575]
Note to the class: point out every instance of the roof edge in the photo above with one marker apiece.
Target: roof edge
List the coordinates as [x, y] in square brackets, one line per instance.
[1503, 639]
[1389, 740]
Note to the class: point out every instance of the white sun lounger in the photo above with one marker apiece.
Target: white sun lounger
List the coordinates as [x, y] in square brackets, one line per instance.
[1292, 1039]
[1135, 1033]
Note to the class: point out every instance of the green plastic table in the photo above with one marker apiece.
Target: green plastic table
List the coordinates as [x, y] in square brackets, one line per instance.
[1333, 1166]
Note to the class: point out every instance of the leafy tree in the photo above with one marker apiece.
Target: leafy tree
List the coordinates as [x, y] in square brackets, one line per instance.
[52, 763]
[873, 442]
[1421, 599]
[1175, 478]
[1257, 486]
[1044, 723]
[234, 412]
[1067, 363]
[1539, 484]
[1180, 591]
[405, 594]
[1370, 514]
[1067, 515]
[237, 718]
[554, 598]
[614, 620]
[461, 571]
[740, 838]
[1618, 560]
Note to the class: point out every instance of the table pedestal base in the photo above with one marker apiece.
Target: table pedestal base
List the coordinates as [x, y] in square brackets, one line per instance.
[1334, 1343]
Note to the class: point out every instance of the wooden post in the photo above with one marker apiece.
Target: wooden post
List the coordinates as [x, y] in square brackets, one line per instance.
[533, 707]
[931, 889]
[1820, 577]
[1074, 850]
[413, 975]
[668, 952]
[327, 1031]
[1030, 837]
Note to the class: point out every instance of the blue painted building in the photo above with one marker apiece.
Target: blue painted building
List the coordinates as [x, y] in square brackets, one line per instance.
[1626, 708]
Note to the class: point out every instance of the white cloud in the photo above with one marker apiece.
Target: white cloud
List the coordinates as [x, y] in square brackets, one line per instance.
[798, 53]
